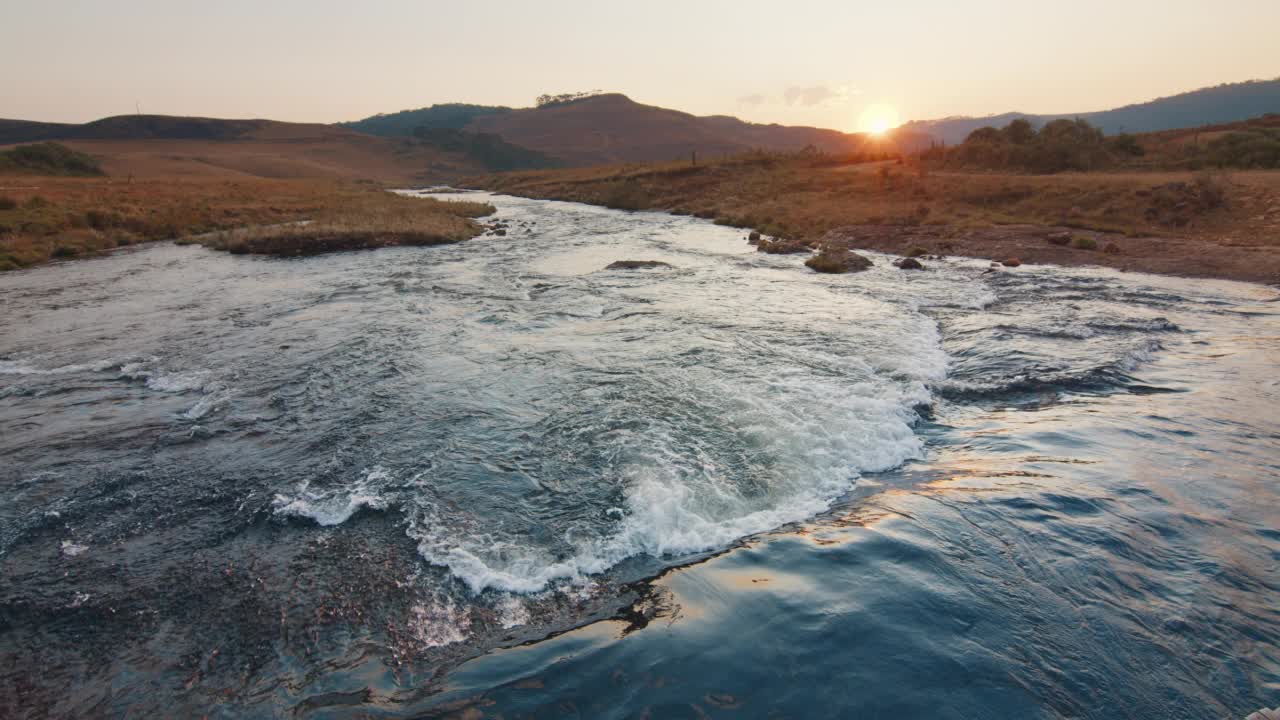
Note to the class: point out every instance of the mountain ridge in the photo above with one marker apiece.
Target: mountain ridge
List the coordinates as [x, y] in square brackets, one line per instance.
[1218, 104]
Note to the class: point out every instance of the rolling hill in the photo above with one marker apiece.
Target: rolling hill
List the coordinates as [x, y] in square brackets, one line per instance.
[449, 116]
[611, 128]
[166, 146]
[614, 128]
[1225, 103]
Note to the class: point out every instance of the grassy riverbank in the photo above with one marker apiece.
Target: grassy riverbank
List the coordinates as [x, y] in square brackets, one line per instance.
[43, 218]
[365, 221]
[1156, 221]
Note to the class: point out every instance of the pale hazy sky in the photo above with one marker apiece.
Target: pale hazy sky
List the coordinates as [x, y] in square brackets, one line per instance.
[795, 62]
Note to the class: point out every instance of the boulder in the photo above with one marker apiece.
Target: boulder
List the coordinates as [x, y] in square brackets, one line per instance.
[1059, 238]
[909, 263]
[754, 238]
[780, 246]
[837, 259]
[636, 265]
[1111, 249]
[1011, 262]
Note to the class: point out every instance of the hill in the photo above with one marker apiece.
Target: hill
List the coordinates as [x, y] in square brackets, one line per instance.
[450, 116]
[614, 128]
[1226, 103]
[609, 128]
[166, 146]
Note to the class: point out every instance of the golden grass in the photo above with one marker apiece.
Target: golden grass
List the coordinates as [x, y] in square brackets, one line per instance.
[800, 198]
[365, 221]
[44, 218]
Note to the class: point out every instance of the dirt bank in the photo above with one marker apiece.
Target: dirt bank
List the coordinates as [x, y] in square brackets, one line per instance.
[1045, 245]
[1219, 225]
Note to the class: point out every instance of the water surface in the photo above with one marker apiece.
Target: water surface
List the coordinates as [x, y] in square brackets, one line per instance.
[496, 479]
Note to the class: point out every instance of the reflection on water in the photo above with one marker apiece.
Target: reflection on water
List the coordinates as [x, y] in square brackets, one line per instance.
[494, 480]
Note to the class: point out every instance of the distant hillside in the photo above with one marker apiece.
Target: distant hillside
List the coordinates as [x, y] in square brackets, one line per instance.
[612, 128]
[165, 146]
[486, 149]
[451, 116]
[25, 131]
[1208, 106]
[159, 127]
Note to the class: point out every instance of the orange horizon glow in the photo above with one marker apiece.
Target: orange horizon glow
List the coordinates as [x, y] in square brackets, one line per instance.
[878, 119]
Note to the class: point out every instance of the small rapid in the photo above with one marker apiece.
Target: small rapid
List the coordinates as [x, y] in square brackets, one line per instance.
[409, 457]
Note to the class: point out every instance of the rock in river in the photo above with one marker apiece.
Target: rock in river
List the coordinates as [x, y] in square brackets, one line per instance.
[636, 265]
[837, 259]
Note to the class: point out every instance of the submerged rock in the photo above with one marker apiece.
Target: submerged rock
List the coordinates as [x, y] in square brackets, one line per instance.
[909, 263]
[636, 265]
[779, 246]
[837, 259]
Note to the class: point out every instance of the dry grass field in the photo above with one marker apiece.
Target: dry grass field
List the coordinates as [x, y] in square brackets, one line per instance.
[1148, 216]
[360, 221]
[45, 218]
[342, 157]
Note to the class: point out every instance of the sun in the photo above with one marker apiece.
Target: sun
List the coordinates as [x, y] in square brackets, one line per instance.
[878, 119]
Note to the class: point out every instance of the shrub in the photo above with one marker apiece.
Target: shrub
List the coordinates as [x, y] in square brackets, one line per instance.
[1082, 242]
[48, 159]
[1060, 145]
[1125, 144]
[1210, 191]
[1255, 148]
[7, 203]
[101, 219]
[65, 251]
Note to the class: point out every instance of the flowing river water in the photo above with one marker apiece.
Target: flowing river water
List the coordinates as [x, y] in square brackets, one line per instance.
[495, 479]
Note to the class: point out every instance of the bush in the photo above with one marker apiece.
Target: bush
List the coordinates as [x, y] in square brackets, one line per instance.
[48, 159]
[1211, 192]
[7, 203]
[1258, 148]
[65, 251]
[102, 220]
[1060, 145]
[1125, 144]
[1081, 242]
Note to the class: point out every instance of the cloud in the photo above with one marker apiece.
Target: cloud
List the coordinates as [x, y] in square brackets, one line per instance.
[817, 95]
[803, 96]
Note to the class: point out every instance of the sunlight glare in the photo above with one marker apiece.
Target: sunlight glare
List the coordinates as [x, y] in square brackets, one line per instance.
[878, 119]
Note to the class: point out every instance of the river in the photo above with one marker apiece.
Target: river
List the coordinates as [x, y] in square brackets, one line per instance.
[496, 479]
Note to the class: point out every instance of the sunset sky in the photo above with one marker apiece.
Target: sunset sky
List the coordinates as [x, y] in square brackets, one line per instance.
[816, 63]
